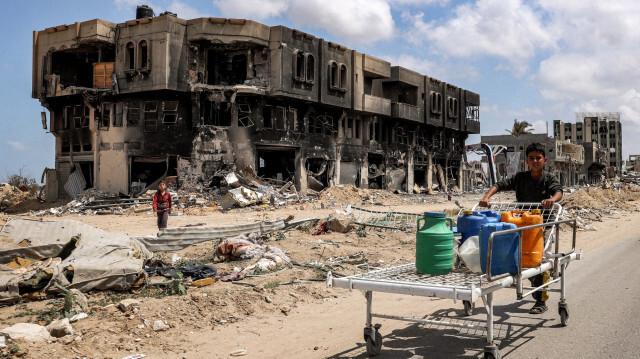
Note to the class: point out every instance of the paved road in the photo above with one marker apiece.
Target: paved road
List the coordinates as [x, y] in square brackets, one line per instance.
[604, 304]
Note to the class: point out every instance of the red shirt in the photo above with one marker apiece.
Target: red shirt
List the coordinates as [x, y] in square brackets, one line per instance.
[162, 203]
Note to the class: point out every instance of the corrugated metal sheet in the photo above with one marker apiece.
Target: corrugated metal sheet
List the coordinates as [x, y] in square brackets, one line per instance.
[64, 168]
[76, 183]
[173, 239]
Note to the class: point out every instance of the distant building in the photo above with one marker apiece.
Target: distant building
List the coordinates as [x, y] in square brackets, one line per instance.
[160, 96]
[600, 133]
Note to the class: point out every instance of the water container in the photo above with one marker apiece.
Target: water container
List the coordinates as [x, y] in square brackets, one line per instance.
[434, 244]
[532, 239]
[469, 224]
[492, 217]
[143, 11]
[504, 258]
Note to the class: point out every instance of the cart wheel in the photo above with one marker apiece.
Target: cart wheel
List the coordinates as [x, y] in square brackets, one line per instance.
[491, 352]
[468, 307]
[564, 317]
[374, 346]
[563, 310]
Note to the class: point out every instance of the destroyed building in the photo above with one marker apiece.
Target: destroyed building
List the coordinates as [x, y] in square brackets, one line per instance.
[564, 159]
[601, 135]
[159, 96]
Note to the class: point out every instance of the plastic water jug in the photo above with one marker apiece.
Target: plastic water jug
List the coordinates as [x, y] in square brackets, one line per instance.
[532, 239]
[434, 244]
[492, 217]
[504, 257]
[469, 224]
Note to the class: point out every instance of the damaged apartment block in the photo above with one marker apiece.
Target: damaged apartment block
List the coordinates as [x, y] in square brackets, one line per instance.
[135, 102]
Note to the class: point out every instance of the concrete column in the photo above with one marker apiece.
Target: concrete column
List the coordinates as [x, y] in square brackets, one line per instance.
[364, 173]
[461, 174]
[301, 173]
[410, 174]
[336, 173]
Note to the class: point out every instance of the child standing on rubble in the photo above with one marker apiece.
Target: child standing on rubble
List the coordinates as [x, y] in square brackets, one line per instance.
[162, 204]
[533, 186]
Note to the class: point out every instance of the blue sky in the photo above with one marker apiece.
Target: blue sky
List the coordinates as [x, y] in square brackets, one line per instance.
[536, 61]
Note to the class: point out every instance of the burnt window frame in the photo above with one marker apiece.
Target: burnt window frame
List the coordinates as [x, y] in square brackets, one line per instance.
[105, 119]
[118, 114]
[452, 107]
[134, 105]
[150, 122]
[171, 111]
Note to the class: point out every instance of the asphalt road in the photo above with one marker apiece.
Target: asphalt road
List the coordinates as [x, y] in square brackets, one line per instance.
[603, 293]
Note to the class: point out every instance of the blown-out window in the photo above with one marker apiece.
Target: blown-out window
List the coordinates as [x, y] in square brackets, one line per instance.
[143, 52]
[133, 114]
[343, 77]
[334, 76]
[130, 56]
[298, 66]
[310, 62]
[436, 102]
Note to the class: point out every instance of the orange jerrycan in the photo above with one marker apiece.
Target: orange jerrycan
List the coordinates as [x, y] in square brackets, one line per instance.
[532, 239]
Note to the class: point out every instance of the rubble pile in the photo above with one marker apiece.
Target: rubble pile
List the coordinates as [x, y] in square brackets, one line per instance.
[346, 194]
[11, 195]
[591, 204]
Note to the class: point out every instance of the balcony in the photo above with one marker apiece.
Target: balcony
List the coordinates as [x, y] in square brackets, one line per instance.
[406, 111]
[227, 31]
[376, 105]
[375, 67]
[473, 127]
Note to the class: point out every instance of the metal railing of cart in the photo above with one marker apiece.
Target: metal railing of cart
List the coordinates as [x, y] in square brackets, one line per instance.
[461, 284]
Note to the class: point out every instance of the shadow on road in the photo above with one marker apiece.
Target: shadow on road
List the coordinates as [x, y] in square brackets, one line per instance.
[513, 326]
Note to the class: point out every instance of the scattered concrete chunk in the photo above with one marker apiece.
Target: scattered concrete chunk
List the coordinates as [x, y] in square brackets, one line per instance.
[60, 328]
[340, 223]
[27, 331]
[159, 326]
[128, 304]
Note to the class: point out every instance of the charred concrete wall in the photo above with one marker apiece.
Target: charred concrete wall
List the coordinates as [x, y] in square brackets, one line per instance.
[193, 99]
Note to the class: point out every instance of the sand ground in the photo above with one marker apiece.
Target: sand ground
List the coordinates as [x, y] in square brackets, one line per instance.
[288, 314]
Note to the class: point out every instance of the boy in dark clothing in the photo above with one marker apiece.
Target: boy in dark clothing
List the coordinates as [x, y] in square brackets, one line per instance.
[532, 186]
[162, 204]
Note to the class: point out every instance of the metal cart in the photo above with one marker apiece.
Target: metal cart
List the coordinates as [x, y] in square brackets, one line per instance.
[461, 284]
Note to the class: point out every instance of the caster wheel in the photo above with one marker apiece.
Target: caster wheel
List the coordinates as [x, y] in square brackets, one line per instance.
[563, 310]
[374, 345]
[491, 352]
[564, 317]
[468, 307]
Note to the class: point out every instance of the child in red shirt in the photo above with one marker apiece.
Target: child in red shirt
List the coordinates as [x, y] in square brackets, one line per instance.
[162, 204]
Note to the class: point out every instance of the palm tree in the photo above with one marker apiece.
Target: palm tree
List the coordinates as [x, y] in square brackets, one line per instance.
[520, 128]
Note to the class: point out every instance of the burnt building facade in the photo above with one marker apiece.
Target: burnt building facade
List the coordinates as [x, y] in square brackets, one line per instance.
[134, 102]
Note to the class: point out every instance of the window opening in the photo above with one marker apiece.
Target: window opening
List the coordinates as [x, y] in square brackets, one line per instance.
[244, 115]
[130, 56]
[310, 69]
[133, 114]
[105, 115]
[343, 77]
[117, 118]
[217, 113]
[144, 54]
[66, 120]
[299, 71]
[358, 124]
[333, 76]
[170, 112]
[266, 117]
[151, 116]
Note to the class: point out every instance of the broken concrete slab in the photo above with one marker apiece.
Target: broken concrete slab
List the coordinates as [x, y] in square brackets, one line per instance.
[60, 328]
[126, 305]
[27, 331]
[160, 326]
[340, 223]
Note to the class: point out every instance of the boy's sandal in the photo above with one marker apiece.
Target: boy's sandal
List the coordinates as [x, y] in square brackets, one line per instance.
[538, 308]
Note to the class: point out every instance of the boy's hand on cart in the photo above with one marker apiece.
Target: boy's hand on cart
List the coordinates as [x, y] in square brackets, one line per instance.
[484, 202]
[548, 203]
